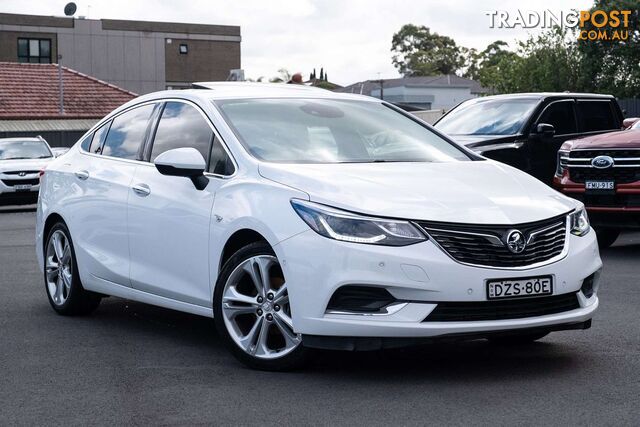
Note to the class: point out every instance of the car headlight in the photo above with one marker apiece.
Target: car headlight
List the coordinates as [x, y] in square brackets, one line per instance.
[579, 222]
[349, 227]
[561, 165]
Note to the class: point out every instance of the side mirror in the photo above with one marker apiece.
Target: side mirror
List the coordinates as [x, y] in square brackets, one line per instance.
[627, 123]
[186, 162]
[545, 129]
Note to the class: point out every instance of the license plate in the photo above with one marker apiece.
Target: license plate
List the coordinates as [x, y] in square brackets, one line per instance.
[599, 185]
[520, 287]
[23, 187]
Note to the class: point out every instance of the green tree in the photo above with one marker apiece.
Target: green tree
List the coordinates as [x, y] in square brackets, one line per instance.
[548, 62]
[612, 66]
[419, 52]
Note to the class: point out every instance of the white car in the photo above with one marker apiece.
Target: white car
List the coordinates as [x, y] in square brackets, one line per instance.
[269, 208]
[21, 160]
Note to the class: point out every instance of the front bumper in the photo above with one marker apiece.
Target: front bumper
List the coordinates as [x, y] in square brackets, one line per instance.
[421, 275]
[11, 195]
[619, 209]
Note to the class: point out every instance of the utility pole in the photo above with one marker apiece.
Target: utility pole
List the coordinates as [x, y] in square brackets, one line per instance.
[60, 85]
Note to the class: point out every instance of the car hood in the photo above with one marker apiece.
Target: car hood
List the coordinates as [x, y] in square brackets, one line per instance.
[622, 139]
[23, 164]
[479, 192]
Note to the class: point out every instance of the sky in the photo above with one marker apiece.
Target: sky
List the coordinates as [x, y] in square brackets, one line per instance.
[351, 39]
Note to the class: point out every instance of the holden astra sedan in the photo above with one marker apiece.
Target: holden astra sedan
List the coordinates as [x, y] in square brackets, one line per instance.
[300, 218]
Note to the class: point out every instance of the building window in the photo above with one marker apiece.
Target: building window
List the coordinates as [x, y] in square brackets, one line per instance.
[184, 49]
[34, 50]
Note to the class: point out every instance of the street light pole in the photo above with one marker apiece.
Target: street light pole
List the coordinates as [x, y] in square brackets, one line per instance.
[381, 81]
[60, 85]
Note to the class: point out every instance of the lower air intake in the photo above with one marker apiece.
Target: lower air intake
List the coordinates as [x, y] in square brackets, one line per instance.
[502, 310]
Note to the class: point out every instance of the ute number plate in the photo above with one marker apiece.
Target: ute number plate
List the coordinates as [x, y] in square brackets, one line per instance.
[599, 185]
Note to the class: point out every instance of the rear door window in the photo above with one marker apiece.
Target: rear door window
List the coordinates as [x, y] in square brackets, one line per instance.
[596, 116]
[182, 125]
[127, 133]
[561, 116]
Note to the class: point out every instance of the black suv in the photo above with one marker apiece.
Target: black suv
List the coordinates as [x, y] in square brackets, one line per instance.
[526, 130]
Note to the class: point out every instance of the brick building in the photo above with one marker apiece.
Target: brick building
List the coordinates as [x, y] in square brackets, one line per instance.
[138, 56]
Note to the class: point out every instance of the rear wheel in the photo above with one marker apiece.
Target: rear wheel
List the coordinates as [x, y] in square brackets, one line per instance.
[518, 339]
[61, 278]
[252, 311]
[607, 237]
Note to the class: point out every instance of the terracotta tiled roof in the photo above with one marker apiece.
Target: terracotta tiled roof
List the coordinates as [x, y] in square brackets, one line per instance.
[31, 91]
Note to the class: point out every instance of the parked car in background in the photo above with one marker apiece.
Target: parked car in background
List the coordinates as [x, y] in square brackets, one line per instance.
[21, 160]
[526, 130]
[268, 208]
[603, 172]
[59, 151]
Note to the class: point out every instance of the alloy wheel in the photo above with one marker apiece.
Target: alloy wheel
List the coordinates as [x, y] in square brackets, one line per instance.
[59, 267]
[256, 309]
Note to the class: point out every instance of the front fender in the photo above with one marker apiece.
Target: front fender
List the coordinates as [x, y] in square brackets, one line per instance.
[259, 205]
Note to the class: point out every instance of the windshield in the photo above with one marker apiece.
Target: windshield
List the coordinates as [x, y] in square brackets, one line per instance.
[17, 149]
[332, 131]
[491, 117]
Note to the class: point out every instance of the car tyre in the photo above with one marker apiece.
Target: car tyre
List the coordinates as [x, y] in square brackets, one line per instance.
[517, 339]
[252, 312]
[607, 237]
[61, 278]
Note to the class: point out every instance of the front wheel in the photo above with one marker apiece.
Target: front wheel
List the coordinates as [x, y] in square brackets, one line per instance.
[252, 312]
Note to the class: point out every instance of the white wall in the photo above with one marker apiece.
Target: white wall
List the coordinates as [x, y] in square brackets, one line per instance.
[441, 97]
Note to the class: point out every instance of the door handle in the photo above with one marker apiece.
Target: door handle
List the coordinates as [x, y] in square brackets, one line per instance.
[141, 190]
[82, 174]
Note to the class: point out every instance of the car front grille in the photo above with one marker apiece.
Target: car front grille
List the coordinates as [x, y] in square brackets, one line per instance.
[14, 182]
[485, 245]
[626, 168]
[20, 172]
[619, 175]
[503, 309]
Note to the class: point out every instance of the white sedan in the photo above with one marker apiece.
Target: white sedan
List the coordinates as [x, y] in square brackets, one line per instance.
[280, 211]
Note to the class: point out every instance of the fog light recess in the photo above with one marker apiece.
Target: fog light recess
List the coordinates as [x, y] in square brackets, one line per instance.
[359, 299]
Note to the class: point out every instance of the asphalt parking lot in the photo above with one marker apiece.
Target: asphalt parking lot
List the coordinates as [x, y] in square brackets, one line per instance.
[135, 364]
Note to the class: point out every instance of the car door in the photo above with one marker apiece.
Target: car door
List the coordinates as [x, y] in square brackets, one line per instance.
[543, 149]
[103, 178]
[168, 218]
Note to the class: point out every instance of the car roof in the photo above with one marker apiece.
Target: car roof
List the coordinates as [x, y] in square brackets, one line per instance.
[543, 95]
[247, 90]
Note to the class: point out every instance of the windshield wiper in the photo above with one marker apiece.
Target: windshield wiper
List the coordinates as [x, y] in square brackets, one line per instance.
[16, 158]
